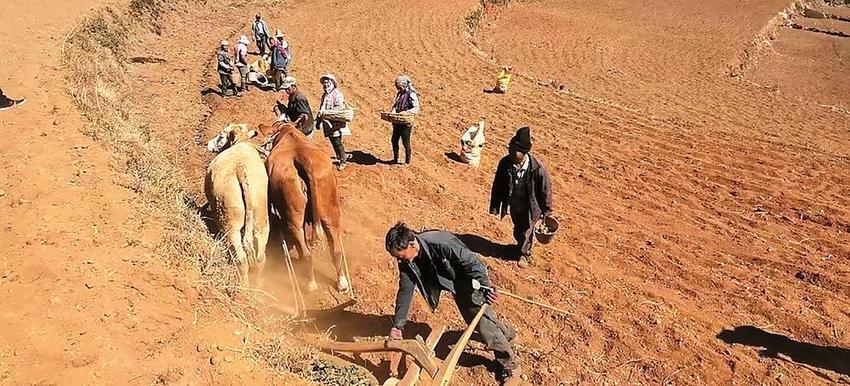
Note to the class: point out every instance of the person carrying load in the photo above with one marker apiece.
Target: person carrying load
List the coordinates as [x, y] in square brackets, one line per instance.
[406, 101]
[334, 130]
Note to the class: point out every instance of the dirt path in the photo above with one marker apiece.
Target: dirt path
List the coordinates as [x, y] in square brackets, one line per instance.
[85, 300]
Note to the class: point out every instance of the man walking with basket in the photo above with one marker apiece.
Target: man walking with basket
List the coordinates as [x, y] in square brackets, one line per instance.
[333, 127]
[522, 188]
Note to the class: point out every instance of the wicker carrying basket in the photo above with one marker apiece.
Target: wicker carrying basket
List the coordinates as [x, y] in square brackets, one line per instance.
[404, 118]
[346, 115]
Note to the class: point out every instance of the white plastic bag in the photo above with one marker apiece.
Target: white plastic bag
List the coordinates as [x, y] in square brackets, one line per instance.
[471, 144]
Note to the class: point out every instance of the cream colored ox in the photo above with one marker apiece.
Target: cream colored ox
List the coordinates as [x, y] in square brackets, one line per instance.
[237, 190]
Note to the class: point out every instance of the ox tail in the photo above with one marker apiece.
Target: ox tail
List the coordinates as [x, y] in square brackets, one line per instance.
[248, 230]
[313, 197]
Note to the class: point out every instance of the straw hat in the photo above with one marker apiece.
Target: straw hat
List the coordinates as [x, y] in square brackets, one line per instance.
[279, 34]
[330, 77]
[244, 40]
[224, 42]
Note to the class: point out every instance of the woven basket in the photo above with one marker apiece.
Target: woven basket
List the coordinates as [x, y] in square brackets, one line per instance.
[406, 119]
[346, 115]
[337, 115]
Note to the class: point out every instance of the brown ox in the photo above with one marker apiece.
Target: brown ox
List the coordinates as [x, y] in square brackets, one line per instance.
[297, 164]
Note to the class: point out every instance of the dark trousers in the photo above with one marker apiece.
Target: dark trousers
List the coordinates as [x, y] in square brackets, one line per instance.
[522, 229]
[243, 77]
[261, 44]
[339, 149]
[227, 83]
[496, 334]
[279, 74]
[402, 132]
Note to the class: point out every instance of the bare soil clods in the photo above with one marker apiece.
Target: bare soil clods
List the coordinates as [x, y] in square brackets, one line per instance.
[691, 203]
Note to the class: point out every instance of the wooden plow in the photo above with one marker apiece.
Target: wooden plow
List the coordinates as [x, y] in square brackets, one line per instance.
[425, 368]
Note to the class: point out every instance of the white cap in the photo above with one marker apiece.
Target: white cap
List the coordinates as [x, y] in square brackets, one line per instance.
[288, 82]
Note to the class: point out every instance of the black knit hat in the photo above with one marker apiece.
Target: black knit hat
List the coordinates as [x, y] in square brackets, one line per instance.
[521, 141]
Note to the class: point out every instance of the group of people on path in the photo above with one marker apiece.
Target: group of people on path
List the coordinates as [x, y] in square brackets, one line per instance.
[430, 261]
[297, 110]
[279, 58]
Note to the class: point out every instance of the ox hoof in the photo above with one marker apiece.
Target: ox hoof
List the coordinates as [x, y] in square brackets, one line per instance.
[342, 284]
[312, 286]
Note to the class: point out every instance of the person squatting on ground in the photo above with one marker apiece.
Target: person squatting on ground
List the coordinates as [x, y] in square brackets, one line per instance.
[297, 108]
[406, 101]
[503, 81]
[281, 57]
[261, 34]
[332, 99]
[225, 70]
[240, 57]
[436, 261]
[522, 188]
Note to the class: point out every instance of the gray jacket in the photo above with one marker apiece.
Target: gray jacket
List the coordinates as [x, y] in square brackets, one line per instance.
[261, 30]
[223, 58]
[444, 263]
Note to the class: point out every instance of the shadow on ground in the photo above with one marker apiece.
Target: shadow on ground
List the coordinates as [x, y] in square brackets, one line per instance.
[489, 248]
[830, 358]
[366, 159]
[454, 156]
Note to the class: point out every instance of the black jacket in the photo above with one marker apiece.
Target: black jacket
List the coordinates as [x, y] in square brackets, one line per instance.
[298, 105]
[539, 189]
[443, 263]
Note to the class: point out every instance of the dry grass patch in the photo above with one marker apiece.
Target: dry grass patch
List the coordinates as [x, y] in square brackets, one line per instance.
[94, 55]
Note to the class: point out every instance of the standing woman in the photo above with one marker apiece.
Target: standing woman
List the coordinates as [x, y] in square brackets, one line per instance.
[240, 57]
[279, 59]
[332, 99]
[406, 101]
